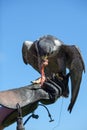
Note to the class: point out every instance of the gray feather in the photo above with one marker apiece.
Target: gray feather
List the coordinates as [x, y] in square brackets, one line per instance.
[75, 64]
[25, 48]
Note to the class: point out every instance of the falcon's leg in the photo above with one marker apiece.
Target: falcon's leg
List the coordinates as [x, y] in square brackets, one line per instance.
[64, 79]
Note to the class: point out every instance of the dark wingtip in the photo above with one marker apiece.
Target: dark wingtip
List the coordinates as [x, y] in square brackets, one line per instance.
[70, 107]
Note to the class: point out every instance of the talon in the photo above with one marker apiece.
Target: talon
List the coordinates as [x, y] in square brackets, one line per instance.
[59, 77]
[40, 80]
[37, 81]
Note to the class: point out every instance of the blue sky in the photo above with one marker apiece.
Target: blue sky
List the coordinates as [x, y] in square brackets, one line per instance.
[22, 20]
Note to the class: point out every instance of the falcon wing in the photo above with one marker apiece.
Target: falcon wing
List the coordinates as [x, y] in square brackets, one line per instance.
[29, 54]
[76, 66]
[25, 48]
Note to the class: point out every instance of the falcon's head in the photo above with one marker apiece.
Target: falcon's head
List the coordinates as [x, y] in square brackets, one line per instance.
[47, 46]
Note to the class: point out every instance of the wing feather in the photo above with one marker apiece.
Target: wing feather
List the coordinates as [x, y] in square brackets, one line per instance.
[25, 48]
[76, 77]
[29, 54]
[76, 66]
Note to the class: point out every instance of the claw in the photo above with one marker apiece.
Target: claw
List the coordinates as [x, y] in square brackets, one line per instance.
[37, 81]
[40, 80]
[59, 76]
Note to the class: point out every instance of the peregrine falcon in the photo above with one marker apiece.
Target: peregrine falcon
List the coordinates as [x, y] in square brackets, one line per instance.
[49, 55]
